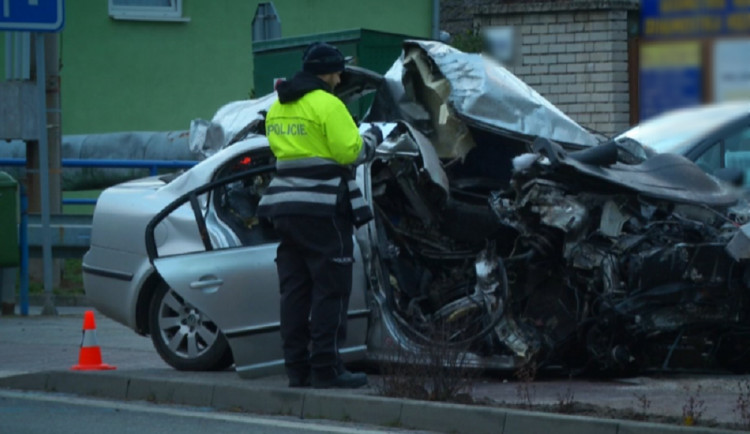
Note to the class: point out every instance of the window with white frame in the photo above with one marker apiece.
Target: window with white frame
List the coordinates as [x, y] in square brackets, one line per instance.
[147, 10]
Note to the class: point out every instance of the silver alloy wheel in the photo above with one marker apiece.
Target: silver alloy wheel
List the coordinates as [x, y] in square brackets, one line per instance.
[186, 331]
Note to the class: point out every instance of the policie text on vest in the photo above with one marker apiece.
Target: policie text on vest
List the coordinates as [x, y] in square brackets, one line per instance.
[286, 130]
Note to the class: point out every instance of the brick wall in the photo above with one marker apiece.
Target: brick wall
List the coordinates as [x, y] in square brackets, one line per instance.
[574, 53]
[457, 16]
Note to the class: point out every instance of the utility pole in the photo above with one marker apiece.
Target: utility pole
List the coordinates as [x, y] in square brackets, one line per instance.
[48, 65]
[51, 79]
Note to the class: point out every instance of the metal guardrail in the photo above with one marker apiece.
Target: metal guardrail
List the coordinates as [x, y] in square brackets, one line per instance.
[152, 165]
[70, 235]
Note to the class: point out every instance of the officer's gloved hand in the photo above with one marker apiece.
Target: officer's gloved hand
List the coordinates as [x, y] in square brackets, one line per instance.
[370, 140]
[376, 134]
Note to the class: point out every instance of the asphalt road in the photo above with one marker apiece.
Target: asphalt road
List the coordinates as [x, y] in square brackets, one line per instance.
[42, 344]
[21, 413]
[37, 343]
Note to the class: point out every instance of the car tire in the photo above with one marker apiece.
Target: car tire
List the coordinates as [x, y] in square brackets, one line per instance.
[184, 336]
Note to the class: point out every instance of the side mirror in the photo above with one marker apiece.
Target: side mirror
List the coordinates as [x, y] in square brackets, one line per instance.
[206, 137]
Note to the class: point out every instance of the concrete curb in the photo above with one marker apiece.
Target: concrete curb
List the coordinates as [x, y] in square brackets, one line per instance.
[338, 405]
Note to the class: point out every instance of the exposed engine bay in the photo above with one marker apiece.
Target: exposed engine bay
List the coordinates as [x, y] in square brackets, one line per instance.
[589, 265]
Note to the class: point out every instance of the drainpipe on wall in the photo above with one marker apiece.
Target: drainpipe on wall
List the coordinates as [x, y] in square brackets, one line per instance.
[436, 20]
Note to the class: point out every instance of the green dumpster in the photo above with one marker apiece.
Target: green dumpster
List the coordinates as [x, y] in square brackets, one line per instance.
[281, 58]
[9, 252]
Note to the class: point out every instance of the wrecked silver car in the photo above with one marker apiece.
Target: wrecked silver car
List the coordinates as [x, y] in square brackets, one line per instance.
[502, 228]
[584, 262]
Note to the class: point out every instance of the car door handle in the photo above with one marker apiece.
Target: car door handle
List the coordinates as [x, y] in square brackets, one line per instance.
[203, 284]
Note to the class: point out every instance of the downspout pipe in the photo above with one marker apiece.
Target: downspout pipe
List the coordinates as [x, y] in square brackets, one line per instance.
[436, 20]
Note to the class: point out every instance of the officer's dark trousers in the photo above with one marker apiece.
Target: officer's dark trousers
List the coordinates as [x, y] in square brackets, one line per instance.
[314, 262]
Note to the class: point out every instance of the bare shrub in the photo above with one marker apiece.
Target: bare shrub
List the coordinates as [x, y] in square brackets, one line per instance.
[402, 376]
[566, 401]
[694, 407]
[438, 371]
[525, 389]
[643, 404]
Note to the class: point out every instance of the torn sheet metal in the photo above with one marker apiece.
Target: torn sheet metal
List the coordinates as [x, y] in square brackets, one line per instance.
[478, 90]
[402, 139]
[237, 115]
[612, 219]
[739, 247]
[664, 176]
[450, 135]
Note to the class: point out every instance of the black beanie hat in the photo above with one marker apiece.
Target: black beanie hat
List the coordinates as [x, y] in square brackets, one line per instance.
[321, 58]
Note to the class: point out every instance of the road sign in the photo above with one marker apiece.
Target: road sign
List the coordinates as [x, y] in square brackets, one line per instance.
[32, 15]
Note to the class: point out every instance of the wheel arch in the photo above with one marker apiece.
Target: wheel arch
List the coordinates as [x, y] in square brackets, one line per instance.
[144, 301]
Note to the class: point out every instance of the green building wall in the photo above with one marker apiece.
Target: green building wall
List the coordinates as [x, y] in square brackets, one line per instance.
[157, 76]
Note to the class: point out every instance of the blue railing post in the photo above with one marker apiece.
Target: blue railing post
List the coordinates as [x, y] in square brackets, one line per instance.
[24, 245]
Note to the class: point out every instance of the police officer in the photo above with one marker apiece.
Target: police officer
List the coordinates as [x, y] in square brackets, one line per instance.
[314, 202]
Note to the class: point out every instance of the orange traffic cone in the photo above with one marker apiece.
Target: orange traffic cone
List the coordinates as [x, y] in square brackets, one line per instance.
[90, 356]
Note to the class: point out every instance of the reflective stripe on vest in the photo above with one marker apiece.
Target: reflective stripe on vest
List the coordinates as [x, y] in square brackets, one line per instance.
[311, 186]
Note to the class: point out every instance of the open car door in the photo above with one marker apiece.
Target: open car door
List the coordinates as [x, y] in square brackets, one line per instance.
[213, 251]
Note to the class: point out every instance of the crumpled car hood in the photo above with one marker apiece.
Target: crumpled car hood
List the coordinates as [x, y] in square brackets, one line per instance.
[663, 176]
[441, 90]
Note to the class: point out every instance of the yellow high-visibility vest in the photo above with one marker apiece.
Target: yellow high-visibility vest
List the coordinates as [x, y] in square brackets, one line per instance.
[316, 125]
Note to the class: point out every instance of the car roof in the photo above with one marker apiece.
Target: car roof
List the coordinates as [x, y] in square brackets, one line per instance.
[677, 130]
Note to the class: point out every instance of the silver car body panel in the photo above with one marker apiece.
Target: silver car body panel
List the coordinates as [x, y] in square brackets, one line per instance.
[112, 279]
[122, 213]
[238, 289]
[237, 115]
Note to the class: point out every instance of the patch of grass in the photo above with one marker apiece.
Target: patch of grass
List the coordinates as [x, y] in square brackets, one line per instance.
[742, 407]
[72, 278]
[394, 424]
[80, 194]
[71, 281]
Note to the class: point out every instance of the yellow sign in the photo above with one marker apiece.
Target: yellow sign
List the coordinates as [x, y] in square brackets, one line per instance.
[655, 55]
[694, 18]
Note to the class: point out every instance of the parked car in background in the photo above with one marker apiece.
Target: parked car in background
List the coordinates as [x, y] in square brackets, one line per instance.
[500, 230]
[715, 136]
